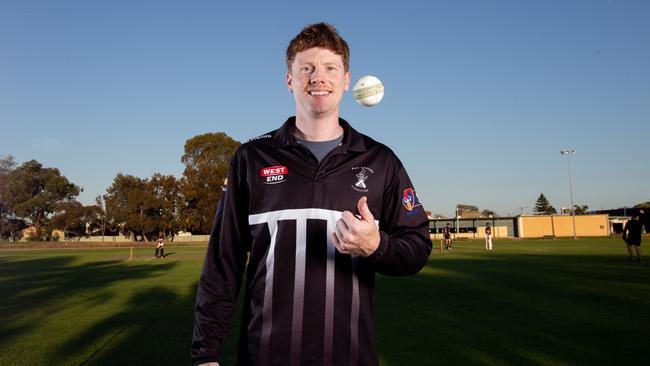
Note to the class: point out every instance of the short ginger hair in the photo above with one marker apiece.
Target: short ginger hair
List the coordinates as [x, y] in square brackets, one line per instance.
[320, 35]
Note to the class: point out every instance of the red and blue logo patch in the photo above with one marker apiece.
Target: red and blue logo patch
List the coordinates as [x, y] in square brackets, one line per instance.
[410, 199]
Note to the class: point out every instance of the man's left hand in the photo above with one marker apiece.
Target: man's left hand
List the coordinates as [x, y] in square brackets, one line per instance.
[357, 236]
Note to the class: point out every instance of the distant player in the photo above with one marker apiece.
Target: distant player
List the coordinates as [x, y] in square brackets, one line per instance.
[160, 246]
[632, 236]
[488, 236]
[446, 234]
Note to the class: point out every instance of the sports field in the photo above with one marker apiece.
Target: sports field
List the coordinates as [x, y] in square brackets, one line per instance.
[535, 302]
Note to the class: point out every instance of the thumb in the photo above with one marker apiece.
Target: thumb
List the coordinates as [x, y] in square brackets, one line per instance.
[364, 211]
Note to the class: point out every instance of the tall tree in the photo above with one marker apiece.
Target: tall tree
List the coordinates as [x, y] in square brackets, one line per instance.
[542, 206]
[206, 162]
[131, 205]
[7, 164]
[167, 194]
[75, 219]
[34, 193]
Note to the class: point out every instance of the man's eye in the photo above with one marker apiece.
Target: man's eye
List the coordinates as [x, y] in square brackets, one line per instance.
[306, 69]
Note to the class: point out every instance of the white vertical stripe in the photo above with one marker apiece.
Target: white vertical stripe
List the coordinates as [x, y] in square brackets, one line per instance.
[298, 292]
[354, 315]
[267, 311]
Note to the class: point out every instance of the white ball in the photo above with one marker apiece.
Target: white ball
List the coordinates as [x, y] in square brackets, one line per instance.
[368, 91]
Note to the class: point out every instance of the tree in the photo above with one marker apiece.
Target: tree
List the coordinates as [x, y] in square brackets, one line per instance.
[206, 162]
[488, 213]
[34, 193]
[542, 206]
[580, 210]
[167, 194]
[643, 205]
[131, 205]
[7, 164]
[466, 208]
[75, 219]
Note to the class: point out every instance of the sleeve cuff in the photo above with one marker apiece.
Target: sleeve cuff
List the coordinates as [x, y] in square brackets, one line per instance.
[378, 255]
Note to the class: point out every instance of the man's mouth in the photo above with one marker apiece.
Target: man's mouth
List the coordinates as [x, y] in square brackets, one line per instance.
[319, 93]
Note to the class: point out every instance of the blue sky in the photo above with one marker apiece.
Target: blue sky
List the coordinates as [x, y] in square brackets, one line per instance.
[481, 96]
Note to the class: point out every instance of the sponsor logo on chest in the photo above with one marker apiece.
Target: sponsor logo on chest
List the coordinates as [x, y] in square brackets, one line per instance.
[274, 174]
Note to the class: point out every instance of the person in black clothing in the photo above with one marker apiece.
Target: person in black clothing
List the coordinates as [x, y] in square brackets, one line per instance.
[311, 212]
[446, 234]
[632, 236]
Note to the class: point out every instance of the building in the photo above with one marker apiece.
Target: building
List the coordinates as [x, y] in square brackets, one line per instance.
[524, 226]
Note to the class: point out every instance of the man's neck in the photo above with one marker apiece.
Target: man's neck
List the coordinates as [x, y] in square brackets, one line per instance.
[318, 129]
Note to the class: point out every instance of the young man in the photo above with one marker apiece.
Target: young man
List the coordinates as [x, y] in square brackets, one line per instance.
[632, 236]
[488, 236]
[160, 246]
[312, 238]
[446, 234]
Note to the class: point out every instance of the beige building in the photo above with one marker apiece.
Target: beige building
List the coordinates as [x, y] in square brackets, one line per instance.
[539, 226]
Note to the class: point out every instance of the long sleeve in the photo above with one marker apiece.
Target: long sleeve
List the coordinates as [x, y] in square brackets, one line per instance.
[405, 244]
[222, 272]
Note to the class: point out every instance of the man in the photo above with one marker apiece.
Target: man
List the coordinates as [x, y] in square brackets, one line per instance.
[446, 234]
[160, 246]
[632, 236]
[488, 236]
[312, 235]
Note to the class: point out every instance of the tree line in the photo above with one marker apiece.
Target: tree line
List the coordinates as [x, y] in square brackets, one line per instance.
[31, 194]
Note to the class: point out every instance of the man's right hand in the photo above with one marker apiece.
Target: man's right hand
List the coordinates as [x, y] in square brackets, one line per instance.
[210, 364]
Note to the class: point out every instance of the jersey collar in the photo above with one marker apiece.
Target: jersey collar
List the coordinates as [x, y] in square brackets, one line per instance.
[285, 136]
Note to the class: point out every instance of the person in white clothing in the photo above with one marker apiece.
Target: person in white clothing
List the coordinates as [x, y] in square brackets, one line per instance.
[488, 236]
[160, 246]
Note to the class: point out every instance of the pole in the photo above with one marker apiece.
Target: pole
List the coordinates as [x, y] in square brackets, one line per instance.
[568, 153]
[457, 223]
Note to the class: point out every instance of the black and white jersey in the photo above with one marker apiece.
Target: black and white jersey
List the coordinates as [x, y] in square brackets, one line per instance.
[305, 303]
[446, 232]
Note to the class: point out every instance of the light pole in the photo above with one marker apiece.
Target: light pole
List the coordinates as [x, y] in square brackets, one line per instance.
[568, 154]
[457, 228]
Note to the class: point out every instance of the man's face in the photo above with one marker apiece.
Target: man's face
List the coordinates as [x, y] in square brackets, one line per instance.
[317, 80]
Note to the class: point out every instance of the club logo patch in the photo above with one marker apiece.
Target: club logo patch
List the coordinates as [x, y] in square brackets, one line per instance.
[362, 175]
[410, 199]
[274, 174]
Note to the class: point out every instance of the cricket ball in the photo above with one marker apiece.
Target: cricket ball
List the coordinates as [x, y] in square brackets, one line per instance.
[368, 91]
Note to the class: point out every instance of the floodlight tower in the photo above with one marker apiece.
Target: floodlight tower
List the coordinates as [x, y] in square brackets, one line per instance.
[568, 154]
[457, 223]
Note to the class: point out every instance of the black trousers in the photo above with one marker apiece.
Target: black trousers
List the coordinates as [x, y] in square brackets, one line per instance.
[160, 250]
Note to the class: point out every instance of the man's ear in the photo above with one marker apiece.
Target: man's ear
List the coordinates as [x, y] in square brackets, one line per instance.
[289, 82]
[347, 81]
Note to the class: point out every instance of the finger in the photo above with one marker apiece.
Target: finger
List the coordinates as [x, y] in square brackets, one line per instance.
[342, 228]
[341, 232]
[349, 219]
[338, 244]
[364, 210]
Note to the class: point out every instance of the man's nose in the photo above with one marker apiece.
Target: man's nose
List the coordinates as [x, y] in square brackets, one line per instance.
[317, 76]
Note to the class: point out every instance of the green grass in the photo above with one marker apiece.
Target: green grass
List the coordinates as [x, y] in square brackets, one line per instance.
[542, 302]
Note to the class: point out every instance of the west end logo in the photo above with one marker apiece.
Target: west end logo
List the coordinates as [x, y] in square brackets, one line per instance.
[274, 174]
[362, 175]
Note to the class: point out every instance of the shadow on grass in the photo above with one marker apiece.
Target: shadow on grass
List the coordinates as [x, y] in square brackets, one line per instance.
[35, 289]
[516, 309]
[153, 328]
